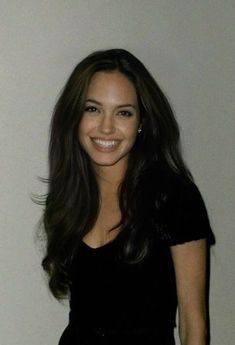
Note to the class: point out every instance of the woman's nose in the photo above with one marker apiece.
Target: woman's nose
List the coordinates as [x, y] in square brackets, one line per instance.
[107, 125]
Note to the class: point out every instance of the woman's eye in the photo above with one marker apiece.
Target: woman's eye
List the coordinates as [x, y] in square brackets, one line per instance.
[90, 109]
[125, 113]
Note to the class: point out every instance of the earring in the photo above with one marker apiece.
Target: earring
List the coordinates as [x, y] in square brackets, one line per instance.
[139, 129]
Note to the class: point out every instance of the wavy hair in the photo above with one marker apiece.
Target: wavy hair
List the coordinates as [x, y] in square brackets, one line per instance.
[72, 201]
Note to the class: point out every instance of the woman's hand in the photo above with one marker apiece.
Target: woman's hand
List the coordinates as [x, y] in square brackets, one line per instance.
[190, 269]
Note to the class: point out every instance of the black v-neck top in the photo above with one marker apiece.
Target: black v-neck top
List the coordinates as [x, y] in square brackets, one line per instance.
[113, 302]
[122, 295]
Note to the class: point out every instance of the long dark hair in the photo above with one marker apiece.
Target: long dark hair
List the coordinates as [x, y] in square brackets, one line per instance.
[72, 202]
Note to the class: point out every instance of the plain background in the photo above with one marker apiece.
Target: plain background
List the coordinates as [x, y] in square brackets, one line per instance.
[188, 45]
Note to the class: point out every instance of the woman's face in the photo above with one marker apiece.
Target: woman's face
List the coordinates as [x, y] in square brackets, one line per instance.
[109, 125]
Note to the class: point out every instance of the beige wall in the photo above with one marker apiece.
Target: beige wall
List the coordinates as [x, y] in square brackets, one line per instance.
[189, 47]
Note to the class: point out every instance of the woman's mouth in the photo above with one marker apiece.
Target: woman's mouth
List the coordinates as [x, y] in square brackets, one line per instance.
[104, 144]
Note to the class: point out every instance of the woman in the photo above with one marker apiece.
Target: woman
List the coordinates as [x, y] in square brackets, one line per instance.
[127, 229]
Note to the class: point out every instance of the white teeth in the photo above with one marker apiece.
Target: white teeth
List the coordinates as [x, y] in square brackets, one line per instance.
[105, 143]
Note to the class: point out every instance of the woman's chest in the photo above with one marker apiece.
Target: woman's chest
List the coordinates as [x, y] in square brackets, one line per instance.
[102, 285]
[100, 272]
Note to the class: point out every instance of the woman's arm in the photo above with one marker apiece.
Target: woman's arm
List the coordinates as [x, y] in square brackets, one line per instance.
[190, 268]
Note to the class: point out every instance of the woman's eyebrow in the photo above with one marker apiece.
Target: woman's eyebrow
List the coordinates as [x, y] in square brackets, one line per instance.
[126, 105]
[93, 101]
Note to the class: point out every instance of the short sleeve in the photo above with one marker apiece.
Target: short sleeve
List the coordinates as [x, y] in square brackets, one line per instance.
[185, 215]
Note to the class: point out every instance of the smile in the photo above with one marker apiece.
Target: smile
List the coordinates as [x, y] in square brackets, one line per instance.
[106, 144]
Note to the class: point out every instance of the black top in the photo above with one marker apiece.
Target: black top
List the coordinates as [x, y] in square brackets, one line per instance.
[113, 302]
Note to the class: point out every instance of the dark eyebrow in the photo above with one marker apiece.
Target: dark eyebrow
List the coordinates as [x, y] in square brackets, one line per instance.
[126, 105]
[119, 106]
[93, 101]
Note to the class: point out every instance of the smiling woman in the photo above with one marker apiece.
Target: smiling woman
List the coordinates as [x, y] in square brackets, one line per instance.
[108, 128]
[127, 229]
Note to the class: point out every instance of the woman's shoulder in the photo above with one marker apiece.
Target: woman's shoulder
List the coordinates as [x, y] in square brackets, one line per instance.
[180, 204]
[167, 181]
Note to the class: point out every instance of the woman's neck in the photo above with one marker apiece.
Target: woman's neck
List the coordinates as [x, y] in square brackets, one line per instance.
[109, 179]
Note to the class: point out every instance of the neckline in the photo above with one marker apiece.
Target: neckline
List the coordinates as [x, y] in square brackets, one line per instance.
[103, 246]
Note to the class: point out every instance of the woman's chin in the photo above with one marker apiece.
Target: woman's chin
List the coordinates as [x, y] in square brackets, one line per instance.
[111, 162]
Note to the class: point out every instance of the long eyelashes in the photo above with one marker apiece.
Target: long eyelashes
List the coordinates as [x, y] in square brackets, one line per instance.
[125, 113]
[92, 109]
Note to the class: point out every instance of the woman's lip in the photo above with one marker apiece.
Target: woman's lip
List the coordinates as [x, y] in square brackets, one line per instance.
[105, 139]
[105, 145]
